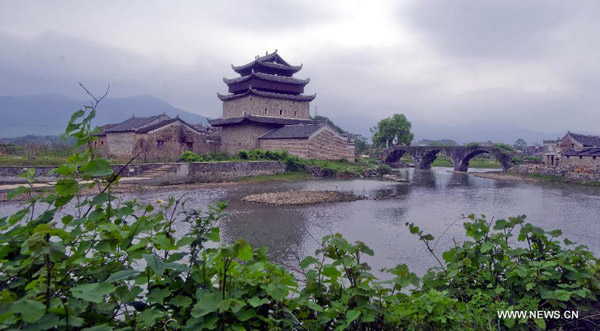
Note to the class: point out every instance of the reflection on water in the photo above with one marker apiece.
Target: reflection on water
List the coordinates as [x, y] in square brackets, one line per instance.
[434, 200]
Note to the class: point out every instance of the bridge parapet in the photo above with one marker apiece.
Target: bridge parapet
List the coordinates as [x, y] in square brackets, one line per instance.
[423, 156]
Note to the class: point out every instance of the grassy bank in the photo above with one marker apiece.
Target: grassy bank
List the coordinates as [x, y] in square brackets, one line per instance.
[474, 163]
[286, 176]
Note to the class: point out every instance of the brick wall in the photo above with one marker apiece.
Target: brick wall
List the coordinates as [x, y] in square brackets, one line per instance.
[255, 105]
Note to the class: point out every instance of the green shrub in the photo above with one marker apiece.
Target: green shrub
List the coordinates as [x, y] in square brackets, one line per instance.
[506, 147]
[189, 156]
[294, 163]
[243, 154]
[256, 154]
[329, 172]
[383, 169]
[473, 145]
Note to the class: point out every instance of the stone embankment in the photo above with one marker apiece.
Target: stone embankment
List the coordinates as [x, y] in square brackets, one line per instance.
[296, 198]
[541, 172]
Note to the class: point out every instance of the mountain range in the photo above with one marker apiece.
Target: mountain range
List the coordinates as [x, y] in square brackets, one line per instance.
[48, 114]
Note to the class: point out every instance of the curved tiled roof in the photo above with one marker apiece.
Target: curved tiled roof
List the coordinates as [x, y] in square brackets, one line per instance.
[267, 77]
[131, 124]
[265, 61]
[258, 119]
[293, 131]
[294, 97]
[586, 140]
[163, 123]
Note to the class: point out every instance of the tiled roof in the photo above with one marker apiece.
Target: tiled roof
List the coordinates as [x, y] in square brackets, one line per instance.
[293, 131]
[295, 97]
[586, 140]
[267, 61]
[592, 151]
[258, 119]
[103, 129]
[163, 123]
[131, 124]
[267, 77]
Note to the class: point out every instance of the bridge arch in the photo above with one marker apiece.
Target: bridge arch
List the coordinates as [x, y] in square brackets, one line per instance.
[394, 155]
[502, 157]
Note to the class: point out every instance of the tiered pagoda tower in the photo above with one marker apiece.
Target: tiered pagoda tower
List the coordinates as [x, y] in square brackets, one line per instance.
[266, 87]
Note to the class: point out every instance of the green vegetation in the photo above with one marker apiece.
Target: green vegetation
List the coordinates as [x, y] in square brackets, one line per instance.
[478, 161]
[392, 131]
[506, 147]
[113, 264]
[439, 142]
[35, 151]
[297, 175]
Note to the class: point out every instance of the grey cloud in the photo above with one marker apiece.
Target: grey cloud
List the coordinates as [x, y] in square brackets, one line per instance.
[497, 29]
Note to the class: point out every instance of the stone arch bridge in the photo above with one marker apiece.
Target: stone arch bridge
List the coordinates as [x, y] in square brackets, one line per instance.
[423, 156]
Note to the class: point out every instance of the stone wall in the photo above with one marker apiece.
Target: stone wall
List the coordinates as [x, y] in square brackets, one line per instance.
[120, 144]
[168, 143]
[579, 161]
[177, 173]
[324, 145]
[207, 172]
[165, 144]
[236, 137]
[573, 174]
[261, 106]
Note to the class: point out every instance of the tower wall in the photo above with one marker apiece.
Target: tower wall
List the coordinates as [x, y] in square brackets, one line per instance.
[261, 106]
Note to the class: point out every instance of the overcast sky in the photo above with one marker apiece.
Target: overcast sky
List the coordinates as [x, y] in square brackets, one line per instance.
[445, 64]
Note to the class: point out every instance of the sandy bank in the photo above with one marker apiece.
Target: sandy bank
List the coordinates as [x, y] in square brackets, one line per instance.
[296, 198]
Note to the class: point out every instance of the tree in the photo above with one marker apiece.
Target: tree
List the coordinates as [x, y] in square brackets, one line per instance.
[392, 131]
[521, 145]
[361, 144]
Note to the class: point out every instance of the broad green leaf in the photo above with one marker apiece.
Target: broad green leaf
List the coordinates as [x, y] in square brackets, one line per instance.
[97, 168]
[307, 261]
[18, 191]
[92, 292]
[181, 301]
[256, 301]
[208, 302]
[158, 295]
[148, 317]
[66, 187]
[277, 291]
[121, 275]
[155, 263]
[30, 310]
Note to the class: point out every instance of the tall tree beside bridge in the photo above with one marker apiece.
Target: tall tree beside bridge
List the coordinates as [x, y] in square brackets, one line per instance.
[392, 131]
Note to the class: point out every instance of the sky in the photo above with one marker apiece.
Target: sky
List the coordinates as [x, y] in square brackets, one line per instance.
[452, 67]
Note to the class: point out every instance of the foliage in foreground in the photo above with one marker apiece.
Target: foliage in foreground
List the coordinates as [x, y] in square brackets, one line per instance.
[70, 261]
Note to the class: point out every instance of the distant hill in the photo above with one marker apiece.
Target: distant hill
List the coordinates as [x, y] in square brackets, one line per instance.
[47, 114]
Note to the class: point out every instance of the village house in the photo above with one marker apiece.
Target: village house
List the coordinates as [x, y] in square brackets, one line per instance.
[154, 138]
[266, 108]
[574, 150]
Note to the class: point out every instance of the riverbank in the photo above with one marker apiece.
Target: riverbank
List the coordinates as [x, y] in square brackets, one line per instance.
[543, 173]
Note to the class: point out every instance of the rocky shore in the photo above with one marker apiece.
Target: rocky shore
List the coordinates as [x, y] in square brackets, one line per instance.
[296, 198]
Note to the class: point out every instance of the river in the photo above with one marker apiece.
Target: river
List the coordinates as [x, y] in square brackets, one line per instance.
[434, 200]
